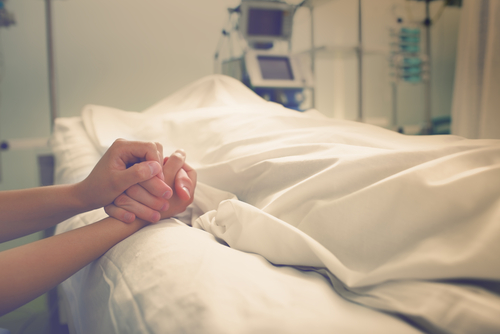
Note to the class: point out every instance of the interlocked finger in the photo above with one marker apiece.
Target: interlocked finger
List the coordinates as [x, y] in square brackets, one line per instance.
[172, 165]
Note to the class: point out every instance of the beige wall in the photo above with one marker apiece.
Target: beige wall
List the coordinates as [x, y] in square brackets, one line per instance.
[129, 54]
[122, 53]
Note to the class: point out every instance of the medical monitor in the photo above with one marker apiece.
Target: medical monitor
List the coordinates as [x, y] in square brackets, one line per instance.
[265, 21]
[266, 69]
[275, 68]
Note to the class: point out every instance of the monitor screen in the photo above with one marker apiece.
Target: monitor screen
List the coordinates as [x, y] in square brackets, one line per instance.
[265, 22]
[275, 68]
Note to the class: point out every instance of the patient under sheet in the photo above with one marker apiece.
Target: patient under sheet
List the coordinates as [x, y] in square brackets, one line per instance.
[404, 224]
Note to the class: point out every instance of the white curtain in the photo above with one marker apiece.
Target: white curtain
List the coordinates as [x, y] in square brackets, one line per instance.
[476, 99]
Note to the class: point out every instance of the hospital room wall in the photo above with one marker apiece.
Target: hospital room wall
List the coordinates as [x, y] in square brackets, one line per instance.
[128, 54]
[120, 53]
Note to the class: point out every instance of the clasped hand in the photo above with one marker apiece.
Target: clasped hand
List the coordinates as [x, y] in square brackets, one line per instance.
[150, 201]
[133, 180]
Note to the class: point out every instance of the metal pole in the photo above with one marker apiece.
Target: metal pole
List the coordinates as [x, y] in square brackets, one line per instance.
[50, 63]
[313, 58]
[394, 105]
[360, 65]
[427, 130]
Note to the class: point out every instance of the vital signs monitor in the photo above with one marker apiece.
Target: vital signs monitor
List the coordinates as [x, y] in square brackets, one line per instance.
[274, 75]
[266, 69]
[263, 21]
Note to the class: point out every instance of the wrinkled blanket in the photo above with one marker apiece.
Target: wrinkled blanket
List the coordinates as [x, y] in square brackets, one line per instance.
[408, 225]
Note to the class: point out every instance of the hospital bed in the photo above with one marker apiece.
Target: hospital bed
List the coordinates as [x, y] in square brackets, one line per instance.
[300, 224]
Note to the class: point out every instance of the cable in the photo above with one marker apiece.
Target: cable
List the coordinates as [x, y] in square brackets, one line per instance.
[436, 17]
[408, 11]
[441, 10]
[224, 34]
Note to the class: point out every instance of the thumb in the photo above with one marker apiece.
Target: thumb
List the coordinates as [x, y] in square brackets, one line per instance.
[140, 172]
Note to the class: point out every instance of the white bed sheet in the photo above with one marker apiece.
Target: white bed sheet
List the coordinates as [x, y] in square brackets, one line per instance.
[172, 278]
[386, 217]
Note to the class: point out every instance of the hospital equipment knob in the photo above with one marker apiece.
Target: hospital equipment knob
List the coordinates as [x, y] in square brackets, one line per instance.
[299, 97]
[281, 97]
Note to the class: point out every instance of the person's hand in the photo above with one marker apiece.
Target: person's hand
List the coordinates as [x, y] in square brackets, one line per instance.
[182, 178]
[124, 164]
[138, 199]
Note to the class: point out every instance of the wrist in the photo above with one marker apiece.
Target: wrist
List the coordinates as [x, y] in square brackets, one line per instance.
[137, 224]
[82, 200]
[126, 229]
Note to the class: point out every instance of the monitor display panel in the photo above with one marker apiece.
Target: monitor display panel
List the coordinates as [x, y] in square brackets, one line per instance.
[265, 22]
[275, 68]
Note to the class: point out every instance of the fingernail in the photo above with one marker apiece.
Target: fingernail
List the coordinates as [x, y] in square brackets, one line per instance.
[154, 167]
[129, 217]
[155, 217]
[187, 191]
[167, 194]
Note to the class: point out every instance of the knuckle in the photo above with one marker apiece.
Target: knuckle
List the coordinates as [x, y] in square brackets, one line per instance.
[133, 191]
[118, 142]
[122, 200]
[157, 205]
[142, 172]
[150, 145]
[177, 157]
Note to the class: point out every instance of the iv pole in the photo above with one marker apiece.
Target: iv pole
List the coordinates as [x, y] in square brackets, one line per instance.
[313, 56]
[427, 130]
[360, 65]
[50, 63]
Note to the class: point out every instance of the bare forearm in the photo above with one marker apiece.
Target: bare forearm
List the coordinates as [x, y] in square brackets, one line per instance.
[31, 210]
[31, 270]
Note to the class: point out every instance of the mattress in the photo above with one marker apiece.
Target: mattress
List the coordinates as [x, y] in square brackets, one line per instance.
[300, 223]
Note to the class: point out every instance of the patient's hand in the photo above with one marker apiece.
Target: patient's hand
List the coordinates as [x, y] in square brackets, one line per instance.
[182, 179]
[139, 201]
